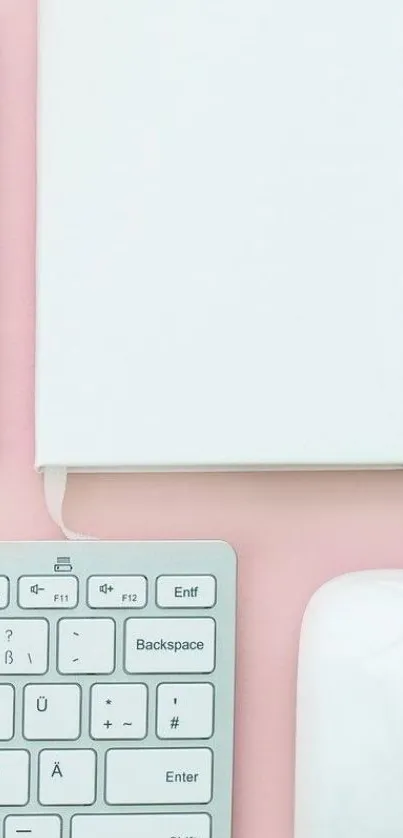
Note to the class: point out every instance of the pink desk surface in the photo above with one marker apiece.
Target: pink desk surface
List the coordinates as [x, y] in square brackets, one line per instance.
[292, 532]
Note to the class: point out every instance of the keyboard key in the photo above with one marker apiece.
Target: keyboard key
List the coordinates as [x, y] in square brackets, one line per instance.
[6, 712]
[186, 591]
[119, 711]
[170, 645]
[185, 711]
[35, 826]
[86, 646]
[52, 712]
[4, 591]
[67, 777]
[117, 592]
[141, 826]
[47, 592]
[23, 647]
[14, 778]
[158, 776]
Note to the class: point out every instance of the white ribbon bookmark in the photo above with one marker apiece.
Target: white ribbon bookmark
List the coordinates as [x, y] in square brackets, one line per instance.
[55, 487]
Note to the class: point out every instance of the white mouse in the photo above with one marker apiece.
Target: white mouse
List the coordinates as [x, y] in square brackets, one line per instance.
[349, 762]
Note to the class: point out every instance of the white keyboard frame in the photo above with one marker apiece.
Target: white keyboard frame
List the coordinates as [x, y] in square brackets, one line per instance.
[152, 560]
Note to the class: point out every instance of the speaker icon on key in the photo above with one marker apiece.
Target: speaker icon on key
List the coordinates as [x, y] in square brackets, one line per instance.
[105, 589]
[35, 589]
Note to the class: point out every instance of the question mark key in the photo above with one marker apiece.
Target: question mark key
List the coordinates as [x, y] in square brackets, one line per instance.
[24, 646]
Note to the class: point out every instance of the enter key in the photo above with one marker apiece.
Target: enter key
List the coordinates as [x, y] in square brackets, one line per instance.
[148, 776]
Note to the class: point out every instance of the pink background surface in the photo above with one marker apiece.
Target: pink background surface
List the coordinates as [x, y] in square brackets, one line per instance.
[291, 531]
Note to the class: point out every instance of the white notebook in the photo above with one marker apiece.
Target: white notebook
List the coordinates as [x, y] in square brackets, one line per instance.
[220, 234]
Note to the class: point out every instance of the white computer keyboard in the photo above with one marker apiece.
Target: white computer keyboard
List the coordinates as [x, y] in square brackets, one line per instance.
[116, 689]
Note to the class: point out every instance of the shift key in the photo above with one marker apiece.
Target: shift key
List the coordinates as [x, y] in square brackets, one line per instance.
[141, 826]
[158, 776]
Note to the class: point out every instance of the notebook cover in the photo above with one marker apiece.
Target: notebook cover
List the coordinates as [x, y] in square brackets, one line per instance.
[220, 252]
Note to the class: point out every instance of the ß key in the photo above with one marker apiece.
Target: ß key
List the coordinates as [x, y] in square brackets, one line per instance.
[117, 689]
[23, 646]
